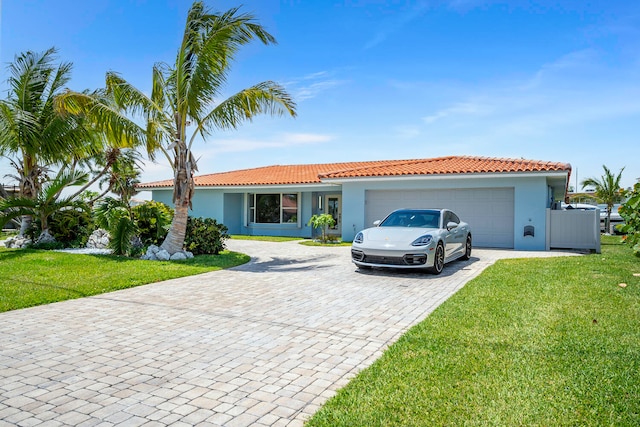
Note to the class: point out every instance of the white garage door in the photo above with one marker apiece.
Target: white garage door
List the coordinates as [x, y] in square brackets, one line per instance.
[489, 211]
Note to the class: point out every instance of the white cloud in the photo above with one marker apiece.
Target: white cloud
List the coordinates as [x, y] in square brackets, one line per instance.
[311, 91]
[315, 75]
[247, 144]
[305, 138]
[407, 132]
[461, 109]
[312, 85]
[575, 63]
[396, 24]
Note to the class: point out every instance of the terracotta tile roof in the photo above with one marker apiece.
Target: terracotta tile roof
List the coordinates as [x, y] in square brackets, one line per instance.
[315, 173]
[449, 165]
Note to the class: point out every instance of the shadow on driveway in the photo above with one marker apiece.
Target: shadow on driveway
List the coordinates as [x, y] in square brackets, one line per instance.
[285, 264]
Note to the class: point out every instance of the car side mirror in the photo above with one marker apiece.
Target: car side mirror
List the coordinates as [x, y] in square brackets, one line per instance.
[377, 222]
[451, 225]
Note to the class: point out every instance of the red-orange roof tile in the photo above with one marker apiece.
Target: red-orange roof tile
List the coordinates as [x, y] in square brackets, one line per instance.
[315, 173]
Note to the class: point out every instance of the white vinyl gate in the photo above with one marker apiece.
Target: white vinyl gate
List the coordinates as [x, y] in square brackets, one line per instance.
[573, 229]
[489, 211]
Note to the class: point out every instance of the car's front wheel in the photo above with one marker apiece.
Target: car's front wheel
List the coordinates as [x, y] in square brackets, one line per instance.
[438, 260]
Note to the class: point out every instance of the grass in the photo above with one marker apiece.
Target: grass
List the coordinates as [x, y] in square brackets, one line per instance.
[536, 342]
[31, 277]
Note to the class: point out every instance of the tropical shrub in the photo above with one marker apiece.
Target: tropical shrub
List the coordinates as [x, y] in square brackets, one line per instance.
[71, 227]
[153, 220]
[205, 236]
[630, 212]
[115, 216]
[123, 236]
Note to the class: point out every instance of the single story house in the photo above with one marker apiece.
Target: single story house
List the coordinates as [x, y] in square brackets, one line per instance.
[504, 200]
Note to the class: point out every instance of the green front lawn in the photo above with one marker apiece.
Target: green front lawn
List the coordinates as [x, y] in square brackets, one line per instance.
[535, 342]
[32, 277]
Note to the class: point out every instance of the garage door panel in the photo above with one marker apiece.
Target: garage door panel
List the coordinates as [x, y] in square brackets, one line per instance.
[489, 211]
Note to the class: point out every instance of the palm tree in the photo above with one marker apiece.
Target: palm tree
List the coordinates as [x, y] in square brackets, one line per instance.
[182, 99]
[47, 202]
[118, 171]
[33, 136]
[123, 175]
[607, 190]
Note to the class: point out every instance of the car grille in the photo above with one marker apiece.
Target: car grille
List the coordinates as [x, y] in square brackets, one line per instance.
[357, 255]
[408, 259]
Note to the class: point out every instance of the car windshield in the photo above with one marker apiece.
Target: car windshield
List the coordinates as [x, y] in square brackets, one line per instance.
[423, 219]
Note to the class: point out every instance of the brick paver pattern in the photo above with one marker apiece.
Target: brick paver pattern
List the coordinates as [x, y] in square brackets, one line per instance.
[263, 344]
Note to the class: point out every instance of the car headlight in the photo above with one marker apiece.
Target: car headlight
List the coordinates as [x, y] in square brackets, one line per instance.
[422, 240]
[359, 238]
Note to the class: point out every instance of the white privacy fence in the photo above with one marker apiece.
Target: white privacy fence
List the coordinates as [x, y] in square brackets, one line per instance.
[573, 229]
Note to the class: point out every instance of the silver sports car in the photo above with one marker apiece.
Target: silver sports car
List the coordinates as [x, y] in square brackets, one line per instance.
[413, 238]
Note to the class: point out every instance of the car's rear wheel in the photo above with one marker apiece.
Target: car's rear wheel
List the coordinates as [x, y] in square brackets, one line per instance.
[467, 248]
[438, 260]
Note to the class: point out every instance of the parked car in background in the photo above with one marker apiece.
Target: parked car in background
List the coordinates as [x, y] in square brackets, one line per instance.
[616, 219]
[579, 206]
[414, 239]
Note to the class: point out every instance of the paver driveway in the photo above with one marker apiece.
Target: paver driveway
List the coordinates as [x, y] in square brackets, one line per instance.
[263, 344]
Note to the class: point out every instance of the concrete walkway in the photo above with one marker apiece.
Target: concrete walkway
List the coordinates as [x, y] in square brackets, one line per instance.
[263, 344]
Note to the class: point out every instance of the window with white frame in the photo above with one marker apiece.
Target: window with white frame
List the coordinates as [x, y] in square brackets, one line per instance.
[279, 208]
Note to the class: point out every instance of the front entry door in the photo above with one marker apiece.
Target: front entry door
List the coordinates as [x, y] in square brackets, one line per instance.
[334, 208]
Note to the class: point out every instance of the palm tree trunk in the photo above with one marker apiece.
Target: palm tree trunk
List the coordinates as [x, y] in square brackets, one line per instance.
[175, 239]
[25, 223]
[30, 176]
[183, 187]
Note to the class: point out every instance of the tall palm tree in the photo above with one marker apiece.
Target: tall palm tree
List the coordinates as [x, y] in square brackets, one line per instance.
[183, 96]
[33, 136]
[607, 190]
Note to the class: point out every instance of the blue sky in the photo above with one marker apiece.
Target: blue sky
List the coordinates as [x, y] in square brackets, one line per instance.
[384, 79]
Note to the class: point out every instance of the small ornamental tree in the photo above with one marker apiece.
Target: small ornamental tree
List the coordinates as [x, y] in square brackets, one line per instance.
[630, 212]
[322, 221]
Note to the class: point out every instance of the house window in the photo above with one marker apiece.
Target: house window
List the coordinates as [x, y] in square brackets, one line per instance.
[273, 208]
